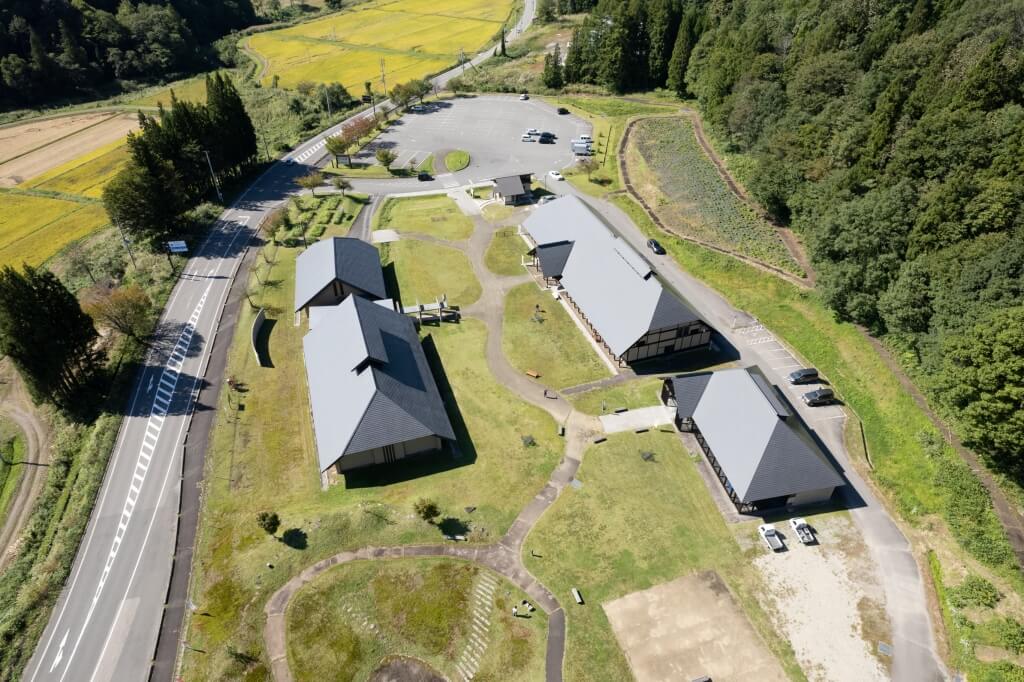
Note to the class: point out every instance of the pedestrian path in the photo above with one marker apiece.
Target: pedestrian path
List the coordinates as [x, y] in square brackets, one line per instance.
[480, 625]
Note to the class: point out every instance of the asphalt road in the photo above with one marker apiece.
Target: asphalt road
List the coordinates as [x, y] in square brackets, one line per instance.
[106, 622]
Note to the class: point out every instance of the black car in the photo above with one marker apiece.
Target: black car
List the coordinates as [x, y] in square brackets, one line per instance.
[424, 176]
[546, 138]
[654, 246]
[562, 111]
[807, 375]
[821, 396]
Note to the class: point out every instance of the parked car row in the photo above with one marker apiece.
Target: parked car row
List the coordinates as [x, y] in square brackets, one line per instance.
[543, 137]
[774, 541]
[817, 397]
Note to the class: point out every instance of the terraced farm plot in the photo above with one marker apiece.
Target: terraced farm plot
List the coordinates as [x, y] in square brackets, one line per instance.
[414, 37]
[33, 228]
[87, 175]
[698, 202]
[189, 90]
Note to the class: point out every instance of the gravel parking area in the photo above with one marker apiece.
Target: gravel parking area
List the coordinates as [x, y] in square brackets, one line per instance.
[490, 127]
[827, 600]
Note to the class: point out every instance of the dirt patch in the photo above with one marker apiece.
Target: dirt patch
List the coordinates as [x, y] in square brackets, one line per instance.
[50, 143]
[687, 628]
[837, 643]
[405, 670]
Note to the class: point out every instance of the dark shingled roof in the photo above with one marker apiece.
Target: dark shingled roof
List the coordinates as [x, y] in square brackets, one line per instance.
[763, 449]
[345, 259]
[510, 186]
[369, 381]
[553, 257]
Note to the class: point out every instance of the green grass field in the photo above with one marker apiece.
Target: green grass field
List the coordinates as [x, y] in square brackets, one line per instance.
[642, 392]
[435, 215]
[505, 253]
[632, 525]
[497, 212]
[12, 451]
[425, 272]
[554, 347]
[456, 160]
[33, 228]
[189, 90]
[263, 457]
[422, 608]
[414, 37]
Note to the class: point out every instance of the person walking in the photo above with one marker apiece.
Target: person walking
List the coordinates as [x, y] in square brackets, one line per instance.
[515, 611]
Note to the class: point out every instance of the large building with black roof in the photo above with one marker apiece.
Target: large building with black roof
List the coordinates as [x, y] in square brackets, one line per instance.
[760, 451]
[331, 269]
[611, 287]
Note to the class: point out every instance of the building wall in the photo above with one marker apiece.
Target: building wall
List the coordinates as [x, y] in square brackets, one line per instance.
[334, 293]
[671, 340]
[811, 497]
[386, 455]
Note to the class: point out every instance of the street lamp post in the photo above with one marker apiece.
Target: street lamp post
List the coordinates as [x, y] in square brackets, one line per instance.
[216, 185]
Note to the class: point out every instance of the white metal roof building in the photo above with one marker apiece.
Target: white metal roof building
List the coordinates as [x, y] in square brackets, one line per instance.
[613, 287]
[372, 394]
[760, 451]
[331, 269]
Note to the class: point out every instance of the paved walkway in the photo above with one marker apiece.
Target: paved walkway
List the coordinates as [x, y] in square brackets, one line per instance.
[642, 418]
[505, 556]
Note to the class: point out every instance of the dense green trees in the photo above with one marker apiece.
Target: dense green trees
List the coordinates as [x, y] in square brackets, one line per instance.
[47, 336]
[171, 158]
[59, 48]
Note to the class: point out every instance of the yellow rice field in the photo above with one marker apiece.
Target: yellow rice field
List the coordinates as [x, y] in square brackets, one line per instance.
[33, 228]
[85, 175]
[414, 37]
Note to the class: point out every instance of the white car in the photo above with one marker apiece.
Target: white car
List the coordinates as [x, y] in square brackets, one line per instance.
[555, 175]
[527, 137]
[803, 530]
[532, 131]
[771, 537]
[546, 199]
[585, 138]
[524, 96]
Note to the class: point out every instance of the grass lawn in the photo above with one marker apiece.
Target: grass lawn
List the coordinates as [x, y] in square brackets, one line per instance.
[555, 347]
[424, 272]
[634, 393]
[11, 450]
[427, 165]
[456, 160]
[423, 608]
[505, 252]
[497, 213]
[263, 458]
[435, 215]
[632, 525]
[360, 170]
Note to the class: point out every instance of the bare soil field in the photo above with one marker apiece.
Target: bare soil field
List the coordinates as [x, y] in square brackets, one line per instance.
[34, 147]
[687, 628]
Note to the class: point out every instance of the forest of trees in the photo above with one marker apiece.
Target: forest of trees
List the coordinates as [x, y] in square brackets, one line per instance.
[65, 48]
[890, 135]
[172, 158]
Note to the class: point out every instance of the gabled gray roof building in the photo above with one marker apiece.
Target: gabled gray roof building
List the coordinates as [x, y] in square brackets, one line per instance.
[373, 397]
[613, 287]
[333, 268]
[761, 452]
[513, 189]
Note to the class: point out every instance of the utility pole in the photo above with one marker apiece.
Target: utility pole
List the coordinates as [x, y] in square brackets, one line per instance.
[216, 185]
[127, 245]
[327, 98]
[462, 59]
[383, 78]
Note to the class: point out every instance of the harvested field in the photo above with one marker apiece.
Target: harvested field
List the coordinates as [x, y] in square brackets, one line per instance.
[414, 37]
[51, 143]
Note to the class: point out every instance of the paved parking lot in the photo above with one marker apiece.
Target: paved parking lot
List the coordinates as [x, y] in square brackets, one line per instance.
[489, 127]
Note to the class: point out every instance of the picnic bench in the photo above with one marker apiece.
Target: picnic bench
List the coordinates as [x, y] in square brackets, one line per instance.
[532, 374]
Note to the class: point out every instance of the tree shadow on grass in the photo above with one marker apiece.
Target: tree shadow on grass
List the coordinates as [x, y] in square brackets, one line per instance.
[451, 526]
[295, 538]
[458, 454]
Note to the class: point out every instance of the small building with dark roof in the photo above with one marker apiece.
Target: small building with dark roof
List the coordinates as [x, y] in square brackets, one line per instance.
[331, 269]
[611, 287]
[513, 189]
[372, 394]
[762, 454]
